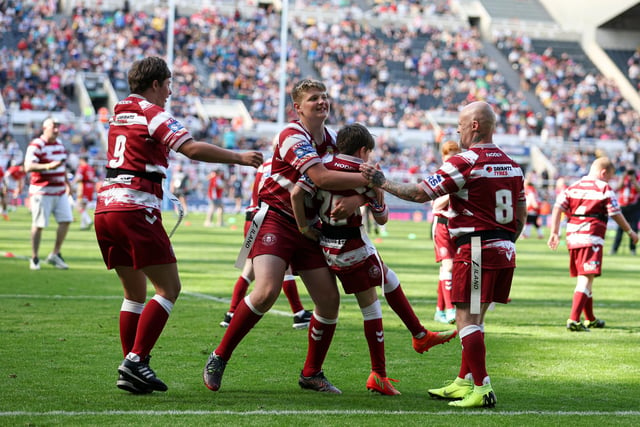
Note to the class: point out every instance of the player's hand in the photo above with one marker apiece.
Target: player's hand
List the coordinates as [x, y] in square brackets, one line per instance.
[55, 164]
[251, 158]
[312, 234]
[633, 236]
[554, 240]
[373, 174]
[346, 206]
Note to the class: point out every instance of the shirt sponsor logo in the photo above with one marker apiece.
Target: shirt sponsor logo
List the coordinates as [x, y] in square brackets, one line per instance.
[342, 165]
[124, 118]
[499, 170]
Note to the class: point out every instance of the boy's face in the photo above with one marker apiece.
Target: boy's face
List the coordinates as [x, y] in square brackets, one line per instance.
[363, 153]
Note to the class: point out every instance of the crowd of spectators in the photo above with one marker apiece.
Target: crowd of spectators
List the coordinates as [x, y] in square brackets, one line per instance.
[445, 70]
[580, 101]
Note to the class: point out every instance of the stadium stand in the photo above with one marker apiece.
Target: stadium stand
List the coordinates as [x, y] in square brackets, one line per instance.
[397, 66]
[528, 10]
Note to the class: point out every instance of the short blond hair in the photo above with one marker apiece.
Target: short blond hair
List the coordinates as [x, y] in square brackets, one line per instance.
[304, 86]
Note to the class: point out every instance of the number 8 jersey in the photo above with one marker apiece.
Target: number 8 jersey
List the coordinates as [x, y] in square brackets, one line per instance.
[140, 137]
[485, 186]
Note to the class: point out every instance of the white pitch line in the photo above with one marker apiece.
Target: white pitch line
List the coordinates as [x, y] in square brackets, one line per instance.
[109, 297]
[227, 301]
[484, 412]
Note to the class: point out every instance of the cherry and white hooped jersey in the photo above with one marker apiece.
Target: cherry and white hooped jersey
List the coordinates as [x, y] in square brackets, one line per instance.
[87, 176]
[294, 153]
[533, 200]
[484, 186]
[13, 176]
[140, 137]
[263, 172]
[344, 253]
[440, 206]
[587, 203]
[47, 182]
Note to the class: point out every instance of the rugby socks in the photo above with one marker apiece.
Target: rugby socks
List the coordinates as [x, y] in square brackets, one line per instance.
[440, 300]
[151, 323]
[474, 352]
[374, 333]
[399, 303]
[588, 308]
[244, 319]
[446, 279]
[320, 334]
[465, 371]
[290, 290]
[129, 317]
[579, 303]
[239, 292]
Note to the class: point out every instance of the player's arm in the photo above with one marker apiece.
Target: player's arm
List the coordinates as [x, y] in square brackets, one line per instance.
[334, 180]
[210, 153]
[406, 191]
[298, 195]
[556, 216]
[624, 225]
[521, 217]
[31, 166]
[378, 207]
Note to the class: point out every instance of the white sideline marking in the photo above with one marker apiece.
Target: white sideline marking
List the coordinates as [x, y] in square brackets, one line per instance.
[108, 297]
[484, 412]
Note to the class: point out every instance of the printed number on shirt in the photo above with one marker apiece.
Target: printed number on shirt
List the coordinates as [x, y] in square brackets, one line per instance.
[504, 207]
[328, 204]
[118, 152]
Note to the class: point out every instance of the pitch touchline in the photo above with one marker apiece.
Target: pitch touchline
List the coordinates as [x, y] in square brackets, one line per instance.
[109, 297]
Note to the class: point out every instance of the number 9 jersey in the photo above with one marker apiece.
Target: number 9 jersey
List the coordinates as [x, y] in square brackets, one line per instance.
[140, 137]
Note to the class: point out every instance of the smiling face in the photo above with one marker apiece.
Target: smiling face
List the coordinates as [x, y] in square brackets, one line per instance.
[314, 106]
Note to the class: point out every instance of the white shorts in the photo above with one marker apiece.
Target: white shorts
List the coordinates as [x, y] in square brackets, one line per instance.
[43, 206]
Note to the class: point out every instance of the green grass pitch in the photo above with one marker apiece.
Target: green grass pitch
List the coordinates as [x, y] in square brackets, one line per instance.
[59, 345]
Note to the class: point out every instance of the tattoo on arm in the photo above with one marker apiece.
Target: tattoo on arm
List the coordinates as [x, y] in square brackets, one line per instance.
[378, 179]
[408, 191]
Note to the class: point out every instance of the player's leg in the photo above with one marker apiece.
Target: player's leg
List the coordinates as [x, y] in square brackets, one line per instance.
[40, 212]
[239, 291]
[152, 321]
[374, 334]
[321, 285]
[445, 275]
[422, 339]
[269, 272]
[63, 213]
[301, 317]
[590, 320]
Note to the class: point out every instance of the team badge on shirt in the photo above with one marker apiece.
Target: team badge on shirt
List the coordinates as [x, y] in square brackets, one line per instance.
[303, 150]
[174, 126]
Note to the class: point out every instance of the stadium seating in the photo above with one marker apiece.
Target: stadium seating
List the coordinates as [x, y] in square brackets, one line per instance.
[388, 71]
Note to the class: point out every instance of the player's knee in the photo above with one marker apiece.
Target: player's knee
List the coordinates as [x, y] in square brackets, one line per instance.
[391, 282]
